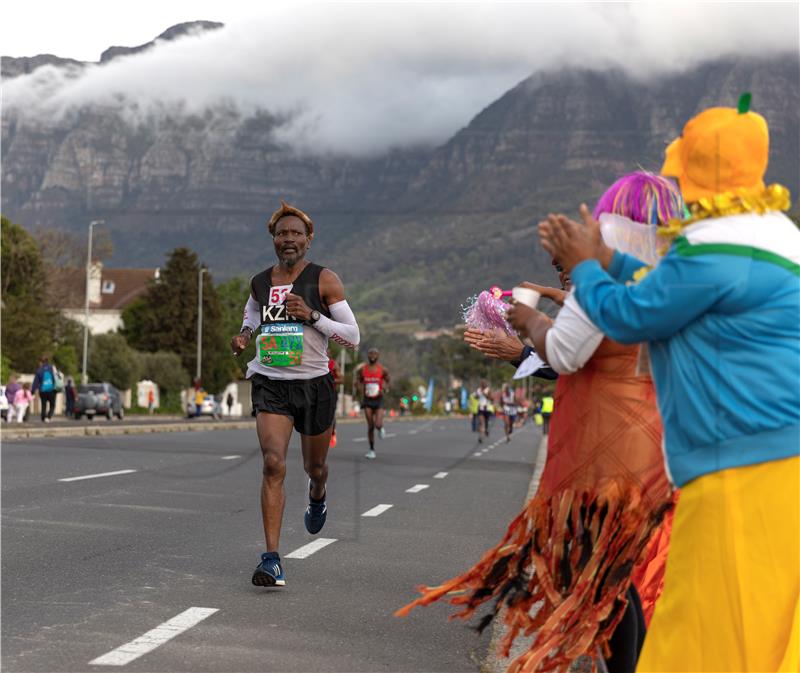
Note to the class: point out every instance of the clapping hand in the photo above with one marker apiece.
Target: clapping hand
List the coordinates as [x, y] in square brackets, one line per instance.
[494, 344]
[572, 243]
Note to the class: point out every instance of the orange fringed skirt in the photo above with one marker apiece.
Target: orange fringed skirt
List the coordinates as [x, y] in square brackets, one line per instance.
[561, 572]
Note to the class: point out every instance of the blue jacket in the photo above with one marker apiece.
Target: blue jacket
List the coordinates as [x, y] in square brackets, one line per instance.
[721, 315]
[37, 378]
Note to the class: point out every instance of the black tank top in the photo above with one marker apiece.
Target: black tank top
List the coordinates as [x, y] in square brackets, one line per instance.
[306, 285]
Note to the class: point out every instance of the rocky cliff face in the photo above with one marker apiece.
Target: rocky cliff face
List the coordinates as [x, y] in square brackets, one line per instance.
[412, 233]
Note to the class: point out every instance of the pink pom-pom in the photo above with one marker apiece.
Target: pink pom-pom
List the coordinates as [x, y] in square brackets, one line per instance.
[486, 312]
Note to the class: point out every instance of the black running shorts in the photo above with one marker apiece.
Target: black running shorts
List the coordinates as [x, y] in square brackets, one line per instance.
[372, 403]
[310, 403]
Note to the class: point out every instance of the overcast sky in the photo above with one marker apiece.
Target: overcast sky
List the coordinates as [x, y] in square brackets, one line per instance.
[362, 77]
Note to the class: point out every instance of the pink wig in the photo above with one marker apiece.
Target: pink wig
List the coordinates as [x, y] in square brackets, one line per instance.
[642, 197]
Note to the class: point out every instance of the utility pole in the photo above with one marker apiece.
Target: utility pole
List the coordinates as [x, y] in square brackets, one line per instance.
[84, 377]
[199, 323]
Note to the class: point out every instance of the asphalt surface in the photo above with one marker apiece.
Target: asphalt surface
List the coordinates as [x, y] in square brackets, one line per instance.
[91, 565]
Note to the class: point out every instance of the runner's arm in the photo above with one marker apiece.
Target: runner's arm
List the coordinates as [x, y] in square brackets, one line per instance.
[341, 326]
[251, 317]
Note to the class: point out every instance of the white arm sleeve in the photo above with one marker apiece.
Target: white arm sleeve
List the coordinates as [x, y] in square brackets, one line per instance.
[343, 328]
[572, 339]
[251, 317]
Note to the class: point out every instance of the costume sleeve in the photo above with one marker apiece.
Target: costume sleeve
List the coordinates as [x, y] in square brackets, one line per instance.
[623, 266]
[674, 294]
[572, 339]
[251, 317]
[342, 328]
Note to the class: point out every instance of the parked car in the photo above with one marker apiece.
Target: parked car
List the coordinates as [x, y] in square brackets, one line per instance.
[209, 407]
[98, 399]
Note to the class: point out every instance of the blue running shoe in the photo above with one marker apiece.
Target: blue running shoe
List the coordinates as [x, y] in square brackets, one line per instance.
[269, 573]
[316, 513]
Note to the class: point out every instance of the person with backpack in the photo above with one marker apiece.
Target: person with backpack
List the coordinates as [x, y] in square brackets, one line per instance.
[44, 382]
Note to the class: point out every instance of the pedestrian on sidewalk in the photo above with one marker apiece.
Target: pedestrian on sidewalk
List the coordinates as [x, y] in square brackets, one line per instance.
[44, 381]
[22, 399]
[11, 391]
[69, 397]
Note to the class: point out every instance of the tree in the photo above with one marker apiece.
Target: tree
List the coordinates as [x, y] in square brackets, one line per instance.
[27, 323]
[112, 360]
[165, 369]
[165, 319]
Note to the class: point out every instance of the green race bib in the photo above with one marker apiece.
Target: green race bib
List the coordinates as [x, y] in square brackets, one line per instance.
[280, 345]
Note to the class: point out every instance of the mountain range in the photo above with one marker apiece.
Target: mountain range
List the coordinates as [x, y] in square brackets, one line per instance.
[412, 232]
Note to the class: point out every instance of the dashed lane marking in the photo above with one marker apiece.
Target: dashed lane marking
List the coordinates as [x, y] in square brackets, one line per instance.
[311, 548]
[97, 476]
[440, 475]
[231, 457]
[417, 488]
[154, 638]
[377, 510]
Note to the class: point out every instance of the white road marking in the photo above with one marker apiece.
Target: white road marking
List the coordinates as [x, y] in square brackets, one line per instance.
[377, 510]
[311, 548]
[477, 454]
[391, 434]
[96, 476]
[234, 457]
[154, 638]
[440, 475]
[417, 488]
[360, 439]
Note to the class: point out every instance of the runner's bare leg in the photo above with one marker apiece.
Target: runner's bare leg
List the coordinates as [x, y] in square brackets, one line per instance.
[369, 414]
[315, 454]
[274, 432]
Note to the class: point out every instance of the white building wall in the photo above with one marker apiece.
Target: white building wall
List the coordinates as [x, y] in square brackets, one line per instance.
[101, 321]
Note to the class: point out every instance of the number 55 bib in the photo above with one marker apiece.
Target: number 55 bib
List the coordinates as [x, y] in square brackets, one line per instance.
[280, 345]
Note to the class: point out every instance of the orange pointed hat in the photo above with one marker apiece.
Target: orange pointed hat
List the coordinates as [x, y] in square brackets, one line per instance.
[721, 150]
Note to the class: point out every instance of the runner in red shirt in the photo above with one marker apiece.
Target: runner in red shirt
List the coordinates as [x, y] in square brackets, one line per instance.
[373, 381]
[333, 368]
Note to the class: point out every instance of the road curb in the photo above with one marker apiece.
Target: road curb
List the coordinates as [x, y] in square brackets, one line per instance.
[12, 434]
[138, 429]
[494, 663]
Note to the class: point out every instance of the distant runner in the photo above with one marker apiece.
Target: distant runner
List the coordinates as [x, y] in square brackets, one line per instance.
[373, 380]
[509, 409]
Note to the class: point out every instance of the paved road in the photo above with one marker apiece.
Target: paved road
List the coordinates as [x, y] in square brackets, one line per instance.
[91, 565]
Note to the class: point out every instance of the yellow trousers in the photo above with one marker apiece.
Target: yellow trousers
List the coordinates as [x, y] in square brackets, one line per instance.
[731, 599]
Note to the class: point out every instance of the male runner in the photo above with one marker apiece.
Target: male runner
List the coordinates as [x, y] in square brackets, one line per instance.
[296, 306]
[508, 397]
[373, 380]
[333, 368]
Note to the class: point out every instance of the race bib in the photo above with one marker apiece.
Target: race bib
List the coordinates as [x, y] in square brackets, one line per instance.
[277, 294]
[372, 389]
[280, 345]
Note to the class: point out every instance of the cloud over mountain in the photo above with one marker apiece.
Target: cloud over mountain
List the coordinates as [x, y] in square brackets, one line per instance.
[362, 78]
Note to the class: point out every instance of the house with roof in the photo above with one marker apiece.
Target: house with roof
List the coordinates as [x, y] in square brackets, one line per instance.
[110, 292]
